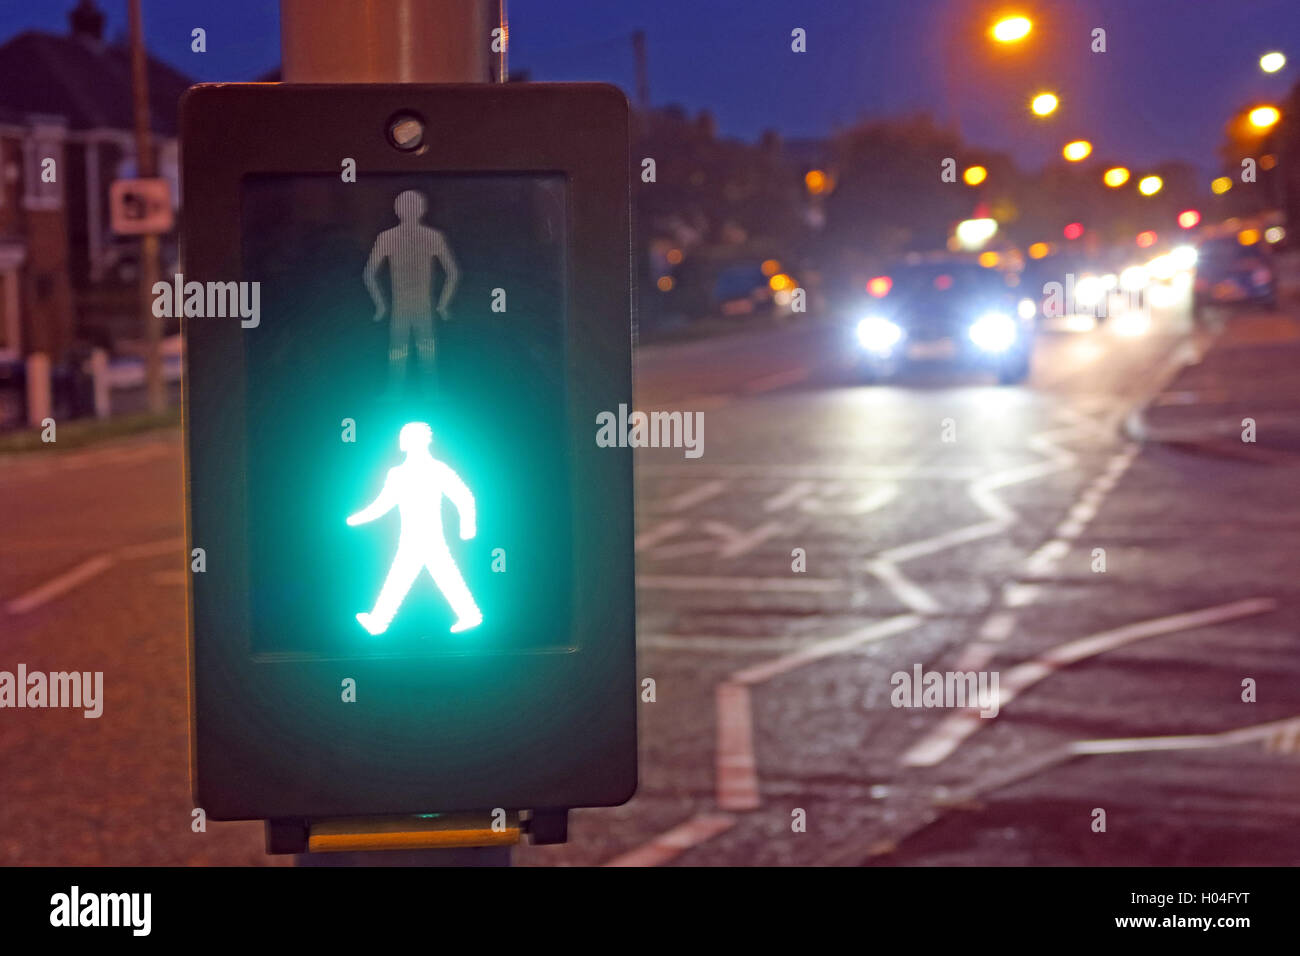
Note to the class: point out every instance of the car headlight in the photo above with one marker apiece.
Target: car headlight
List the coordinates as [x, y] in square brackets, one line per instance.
[878, 334]
[1026, 308]
[994, 332]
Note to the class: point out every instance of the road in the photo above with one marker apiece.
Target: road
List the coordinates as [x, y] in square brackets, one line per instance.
[943, 524]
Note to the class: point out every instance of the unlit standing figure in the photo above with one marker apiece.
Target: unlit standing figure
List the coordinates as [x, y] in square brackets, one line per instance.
[410, 248]
[416, 488]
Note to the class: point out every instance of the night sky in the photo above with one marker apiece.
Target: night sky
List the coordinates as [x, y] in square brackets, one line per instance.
[1174, 70]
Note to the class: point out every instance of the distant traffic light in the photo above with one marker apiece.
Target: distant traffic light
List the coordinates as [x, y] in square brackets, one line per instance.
[1073, 231]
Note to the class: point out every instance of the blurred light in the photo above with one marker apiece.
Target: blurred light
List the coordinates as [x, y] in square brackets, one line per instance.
[674, 256]
[1146, 239]
[1073, 231]
[770, 267]
[1026, 309]
[1267, 161]
[816, 181]
[1133, 279]
[1044, 104]
[1088, 291]
[1184, 257]
[1162, 267]
[1077, 150]
[975, 175]
[1080, 323]
[973, 233]
[1162, 296]
[1011, 29]
[943, 282]
[1248, 237]
[665, 283]
[1221, 185]
[1110, 281]
[1132, 322]
[1150, 185]
[1188, 218]
[783, 297]
[1264, 117]
[879, 286]
[878, 334]
[1115, 177]
[994, 332]
[1272, 62]
[1038, 250]
[780, 281]
[989, 259]
[1275, 234]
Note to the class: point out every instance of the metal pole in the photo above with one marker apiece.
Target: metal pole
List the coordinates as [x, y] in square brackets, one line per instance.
[396, 41]
[145, 169]
[391, 41]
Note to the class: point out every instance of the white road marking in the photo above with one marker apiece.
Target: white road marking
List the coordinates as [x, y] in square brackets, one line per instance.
[997, 626]
[1273, 733]
[780, 379]
[796, 582]
[737, 770]
[767, 472]
[660, 532]
[940, 743]
[673, 843]
[793, 494]
[697, 495]
[61, 584]
[1042, 561]
[908, 592]
[759, 673]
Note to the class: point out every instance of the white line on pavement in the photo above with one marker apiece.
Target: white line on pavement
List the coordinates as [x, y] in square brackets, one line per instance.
[673, 843]
[940, 743]
[92, 567]
[684, 582]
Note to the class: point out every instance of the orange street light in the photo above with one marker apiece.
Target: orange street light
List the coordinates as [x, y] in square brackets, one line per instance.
[1150, 185]
[1011, 29]
[1044, 104]
[1078, 150]
[1264, 117]
[974, 175]
[1115, 177]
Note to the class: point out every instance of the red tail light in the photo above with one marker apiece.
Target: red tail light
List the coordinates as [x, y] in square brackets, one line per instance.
[879, 286]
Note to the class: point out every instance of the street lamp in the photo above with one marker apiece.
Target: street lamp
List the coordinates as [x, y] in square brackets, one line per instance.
[1150, 185]
[1272, 62]
[1115, 177]
[974, 175]
[1077, 151]
[1264, 117]
[1011, 29]
[1044, 104]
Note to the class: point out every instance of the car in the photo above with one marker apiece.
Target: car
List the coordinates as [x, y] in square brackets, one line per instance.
[959, 313]
[745, 289]
[1229, 273]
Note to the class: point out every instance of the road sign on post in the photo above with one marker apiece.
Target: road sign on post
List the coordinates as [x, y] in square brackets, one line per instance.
[412, 580]
[140, 206]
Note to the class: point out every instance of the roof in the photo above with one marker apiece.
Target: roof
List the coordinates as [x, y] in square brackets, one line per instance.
[86, 82]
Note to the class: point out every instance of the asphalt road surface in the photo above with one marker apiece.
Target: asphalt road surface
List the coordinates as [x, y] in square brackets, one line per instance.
[832, 535]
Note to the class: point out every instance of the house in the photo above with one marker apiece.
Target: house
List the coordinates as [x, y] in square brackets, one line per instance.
[65, 279]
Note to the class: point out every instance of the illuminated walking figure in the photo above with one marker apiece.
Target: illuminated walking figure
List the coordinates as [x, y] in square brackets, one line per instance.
[410, 248]
[416, 488]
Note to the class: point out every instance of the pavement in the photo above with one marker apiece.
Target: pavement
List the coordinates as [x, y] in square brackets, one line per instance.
[832, 536]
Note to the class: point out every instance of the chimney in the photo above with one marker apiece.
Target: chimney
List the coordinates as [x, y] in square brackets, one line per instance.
[86, 22]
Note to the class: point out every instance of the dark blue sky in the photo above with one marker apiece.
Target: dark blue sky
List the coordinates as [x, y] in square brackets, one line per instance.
[1173, 72]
